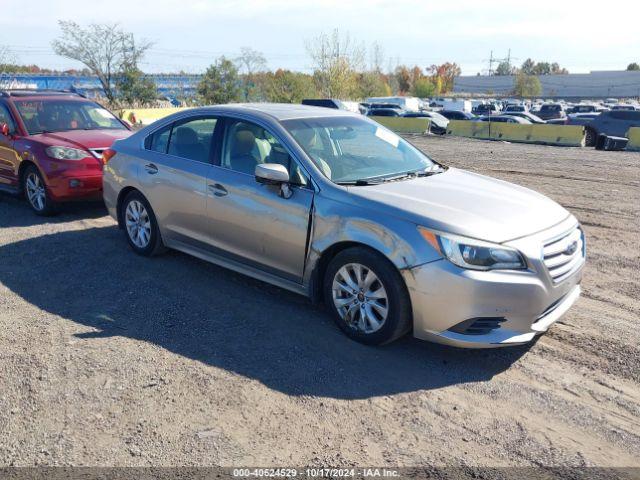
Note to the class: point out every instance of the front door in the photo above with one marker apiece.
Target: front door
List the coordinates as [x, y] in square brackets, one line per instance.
[256, 223]
[9, 159]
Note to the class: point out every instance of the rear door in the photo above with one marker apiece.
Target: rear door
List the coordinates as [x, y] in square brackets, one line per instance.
[9, 158]
[173, 176]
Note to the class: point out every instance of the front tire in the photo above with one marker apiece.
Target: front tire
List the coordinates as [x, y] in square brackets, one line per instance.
[141, 226]
[35, 191]
[590, 137]
[367, 296]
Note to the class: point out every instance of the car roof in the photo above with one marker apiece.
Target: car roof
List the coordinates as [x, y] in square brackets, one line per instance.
[279, 111]
[41, 94]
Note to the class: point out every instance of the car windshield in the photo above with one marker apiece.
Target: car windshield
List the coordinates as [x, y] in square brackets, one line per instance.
[351, 149]
[41, 116]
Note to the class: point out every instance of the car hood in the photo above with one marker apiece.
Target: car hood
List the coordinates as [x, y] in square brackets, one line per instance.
[468, 204]
[82, 138]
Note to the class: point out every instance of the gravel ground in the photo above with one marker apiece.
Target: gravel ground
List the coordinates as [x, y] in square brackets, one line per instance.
[107, 358]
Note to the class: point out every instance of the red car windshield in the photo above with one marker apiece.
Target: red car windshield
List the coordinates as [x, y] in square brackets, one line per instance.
[41, 116]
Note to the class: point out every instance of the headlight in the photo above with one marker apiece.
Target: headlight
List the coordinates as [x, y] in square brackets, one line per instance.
[474, 254]
[66, 153]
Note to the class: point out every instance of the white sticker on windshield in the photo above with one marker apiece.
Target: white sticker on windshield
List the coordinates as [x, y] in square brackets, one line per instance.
[103, 113]
[388, 137]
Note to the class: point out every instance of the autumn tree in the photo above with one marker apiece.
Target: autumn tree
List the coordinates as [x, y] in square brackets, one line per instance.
[403, 77]
[285, 86]
[443, 76]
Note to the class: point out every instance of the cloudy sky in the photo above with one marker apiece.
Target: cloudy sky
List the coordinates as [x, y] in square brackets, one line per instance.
[189, 34]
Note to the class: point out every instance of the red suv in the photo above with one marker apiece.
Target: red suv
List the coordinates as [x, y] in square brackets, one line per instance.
[51, 146]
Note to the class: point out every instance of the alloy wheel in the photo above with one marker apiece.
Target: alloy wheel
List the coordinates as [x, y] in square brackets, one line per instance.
[36, 191]
[138, 224]
[360, 298]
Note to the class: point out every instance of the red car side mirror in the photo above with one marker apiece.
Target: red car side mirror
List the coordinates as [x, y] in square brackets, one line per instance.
[4, 129]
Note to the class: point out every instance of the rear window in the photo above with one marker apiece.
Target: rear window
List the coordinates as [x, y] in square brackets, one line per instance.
[550, 108]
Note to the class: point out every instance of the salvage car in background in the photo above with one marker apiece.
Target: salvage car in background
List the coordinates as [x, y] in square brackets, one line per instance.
[457, 115]
[504, 119]
[51, 146]
[526, 115]
[438, 125]
[615, 123]
[334, 206]
[550, 111]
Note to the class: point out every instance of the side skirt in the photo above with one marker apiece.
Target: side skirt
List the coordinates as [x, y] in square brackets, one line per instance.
[239, 267]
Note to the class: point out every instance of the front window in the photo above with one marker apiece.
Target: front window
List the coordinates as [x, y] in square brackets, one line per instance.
[246, 145]
[351, 150]
[41, 116]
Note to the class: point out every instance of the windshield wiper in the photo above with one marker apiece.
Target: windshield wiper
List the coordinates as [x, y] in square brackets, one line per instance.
[410, 174]
[391, 178]
[361, 182]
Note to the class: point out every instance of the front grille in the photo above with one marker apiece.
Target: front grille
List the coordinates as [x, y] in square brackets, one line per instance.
[564, 255]
[97, 152]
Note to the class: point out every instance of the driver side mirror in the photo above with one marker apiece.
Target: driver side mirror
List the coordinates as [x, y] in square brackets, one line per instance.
[4, 129]
[271, 174]
[274, 174]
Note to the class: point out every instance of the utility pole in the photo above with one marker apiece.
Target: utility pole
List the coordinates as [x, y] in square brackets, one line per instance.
[491, 64]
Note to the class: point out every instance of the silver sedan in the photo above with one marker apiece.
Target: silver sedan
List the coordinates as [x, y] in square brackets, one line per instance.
[334, 206]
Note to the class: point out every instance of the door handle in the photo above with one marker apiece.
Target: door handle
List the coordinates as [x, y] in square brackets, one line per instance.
[151, 168]
[218, 190]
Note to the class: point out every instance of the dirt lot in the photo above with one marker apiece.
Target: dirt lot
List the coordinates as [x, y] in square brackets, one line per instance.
[107, 358]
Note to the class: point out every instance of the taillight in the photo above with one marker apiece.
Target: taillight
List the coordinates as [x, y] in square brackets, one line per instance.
[107, 155]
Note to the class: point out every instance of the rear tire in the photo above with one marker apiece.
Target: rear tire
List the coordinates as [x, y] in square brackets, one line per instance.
[590, 137]
[35, 191]
[141, 226]
[367, 296]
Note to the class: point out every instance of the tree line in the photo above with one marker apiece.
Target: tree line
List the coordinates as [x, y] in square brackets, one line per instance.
[341, 68]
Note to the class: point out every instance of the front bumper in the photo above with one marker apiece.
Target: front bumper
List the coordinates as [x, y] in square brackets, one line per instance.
[74, 180]
[527, 302]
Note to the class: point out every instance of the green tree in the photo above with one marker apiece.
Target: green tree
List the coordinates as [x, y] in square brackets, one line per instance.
[527, 86]
[423, 88]
[504, 68]
[633, 67]
[134, 89]
[220, 83]
[373, 84]
[528, 67]
[284, 86]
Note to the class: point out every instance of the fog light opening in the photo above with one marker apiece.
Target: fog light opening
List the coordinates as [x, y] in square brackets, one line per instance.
[478, 326]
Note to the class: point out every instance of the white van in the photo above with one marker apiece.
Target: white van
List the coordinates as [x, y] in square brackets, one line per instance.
[411, 104]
